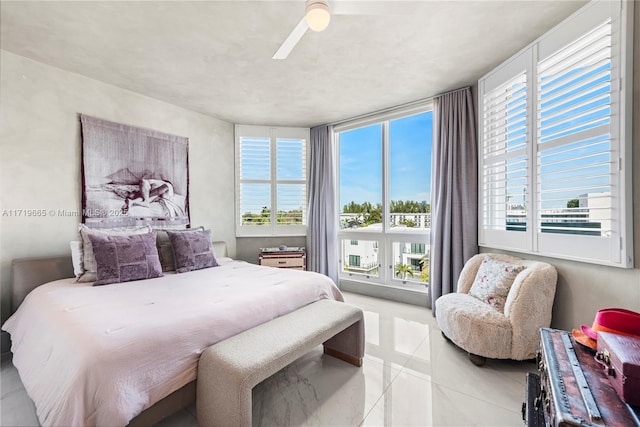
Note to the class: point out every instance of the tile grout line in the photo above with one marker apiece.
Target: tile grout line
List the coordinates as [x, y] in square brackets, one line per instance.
[440, 384]
[393, 379]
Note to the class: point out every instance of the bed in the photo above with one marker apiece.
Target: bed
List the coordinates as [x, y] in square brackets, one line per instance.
[127, 353]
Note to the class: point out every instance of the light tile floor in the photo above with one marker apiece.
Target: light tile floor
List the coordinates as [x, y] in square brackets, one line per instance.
[410, 377]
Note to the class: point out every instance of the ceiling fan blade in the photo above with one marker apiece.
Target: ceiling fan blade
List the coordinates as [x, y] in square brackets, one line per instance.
[291, 41]
[397, 7]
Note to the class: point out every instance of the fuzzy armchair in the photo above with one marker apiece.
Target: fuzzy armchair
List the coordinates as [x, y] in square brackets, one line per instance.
[482, 329]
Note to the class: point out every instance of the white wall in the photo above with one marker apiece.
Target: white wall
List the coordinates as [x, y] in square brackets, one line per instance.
[40, 156]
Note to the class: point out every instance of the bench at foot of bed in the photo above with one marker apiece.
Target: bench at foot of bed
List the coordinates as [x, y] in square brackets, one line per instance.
[228, 370]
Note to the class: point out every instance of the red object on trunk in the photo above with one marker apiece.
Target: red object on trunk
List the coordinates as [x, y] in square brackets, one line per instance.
[620, 357]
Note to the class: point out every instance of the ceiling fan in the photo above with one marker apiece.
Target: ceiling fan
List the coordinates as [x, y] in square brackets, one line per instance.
[318, 14]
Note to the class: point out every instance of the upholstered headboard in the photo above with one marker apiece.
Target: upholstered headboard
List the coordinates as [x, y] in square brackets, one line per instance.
[29, 273]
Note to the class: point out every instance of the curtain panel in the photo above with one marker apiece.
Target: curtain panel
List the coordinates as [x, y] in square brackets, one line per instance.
[322, 245]
[454, 200]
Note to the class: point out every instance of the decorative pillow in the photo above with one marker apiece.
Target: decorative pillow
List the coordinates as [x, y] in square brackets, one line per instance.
[76, 257]
[192, 250]
[125, 258]
[493, 281]
[88, 260]
[165, 250]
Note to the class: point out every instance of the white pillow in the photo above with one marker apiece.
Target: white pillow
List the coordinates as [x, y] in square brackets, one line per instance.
[76, 257]
[88, 259]
[493, 282]
[224, 260]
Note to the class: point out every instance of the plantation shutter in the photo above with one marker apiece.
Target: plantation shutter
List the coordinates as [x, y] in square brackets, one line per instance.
[255, 181]
[292, 181]
[553, 163]
[271, 181]
[577, 164]
[504, 157]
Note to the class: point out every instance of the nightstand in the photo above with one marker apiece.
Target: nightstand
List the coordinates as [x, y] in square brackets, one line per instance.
[293, 258]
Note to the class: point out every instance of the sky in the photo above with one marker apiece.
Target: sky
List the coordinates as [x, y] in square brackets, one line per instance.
[410, 161]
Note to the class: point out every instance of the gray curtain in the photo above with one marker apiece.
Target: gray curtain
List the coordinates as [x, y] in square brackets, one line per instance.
[322, 245]
[454, 194]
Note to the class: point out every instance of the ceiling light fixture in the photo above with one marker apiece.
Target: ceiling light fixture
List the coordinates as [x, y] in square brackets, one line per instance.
[317, 15]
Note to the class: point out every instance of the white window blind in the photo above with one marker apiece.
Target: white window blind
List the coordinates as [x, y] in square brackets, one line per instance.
[292, 181]
[554, 181]
[271, 186]
[504, 168]
[255, 181]
[575, 163]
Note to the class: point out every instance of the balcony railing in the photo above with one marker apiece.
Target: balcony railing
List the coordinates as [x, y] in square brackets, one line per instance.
[362, 268]
[418, 221]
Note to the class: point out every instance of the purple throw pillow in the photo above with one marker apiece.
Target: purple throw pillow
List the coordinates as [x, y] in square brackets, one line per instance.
[192, 250]
[125, 258]
[165, 250]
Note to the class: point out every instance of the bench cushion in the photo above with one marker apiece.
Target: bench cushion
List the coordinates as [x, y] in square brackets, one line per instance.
[228, 370]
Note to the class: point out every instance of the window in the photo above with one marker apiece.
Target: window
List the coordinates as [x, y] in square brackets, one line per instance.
[553, 127]
[418, 248]
[384, 198]
[411, 262]
[360, 259]
[271, 181]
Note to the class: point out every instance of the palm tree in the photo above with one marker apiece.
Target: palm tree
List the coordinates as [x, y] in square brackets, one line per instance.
[403, 270]
[424, 261]
[424, 267]
[424, 274]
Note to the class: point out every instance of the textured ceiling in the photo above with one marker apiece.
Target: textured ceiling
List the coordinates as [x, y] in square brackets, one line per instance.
[214, 57]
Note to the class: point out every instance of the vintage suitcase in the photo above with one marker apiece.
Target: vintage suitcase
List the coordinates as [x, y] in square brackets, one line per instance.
[620, 358]
[531, 410]
[574, 391]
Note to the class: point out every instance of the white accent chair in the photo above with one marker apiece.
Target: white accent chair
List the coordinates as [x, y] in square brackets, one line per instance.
[483, 331]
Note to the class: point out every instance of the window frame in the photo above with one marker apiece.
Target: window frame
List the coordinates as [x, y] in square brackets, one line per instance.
[273, 133]
[616, 250]
[386, 237]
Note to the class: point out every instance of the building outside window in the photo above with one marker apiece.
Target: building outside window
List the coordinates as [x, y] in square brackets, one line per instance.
[418, 248]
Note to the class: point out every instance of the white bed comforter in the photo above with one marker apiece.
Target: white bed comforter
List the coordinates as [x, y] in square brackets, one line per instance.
[101, 355]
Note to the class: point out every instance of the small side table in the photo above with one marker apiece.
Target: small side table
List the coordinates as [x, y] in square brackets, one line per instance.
[293, 258]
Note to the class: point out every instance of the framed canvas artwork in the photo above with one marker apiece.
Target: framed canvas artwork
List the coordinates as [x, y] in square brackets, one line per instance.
[133, 176]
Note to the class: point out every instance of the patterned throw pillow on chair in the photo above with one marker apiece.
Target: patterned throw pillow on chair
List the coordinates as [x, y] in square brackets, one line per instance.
[493, 282]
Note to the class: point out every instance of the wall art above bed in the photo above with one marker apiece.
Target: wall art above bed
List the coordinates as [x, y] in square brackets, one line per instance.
[133, 176]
